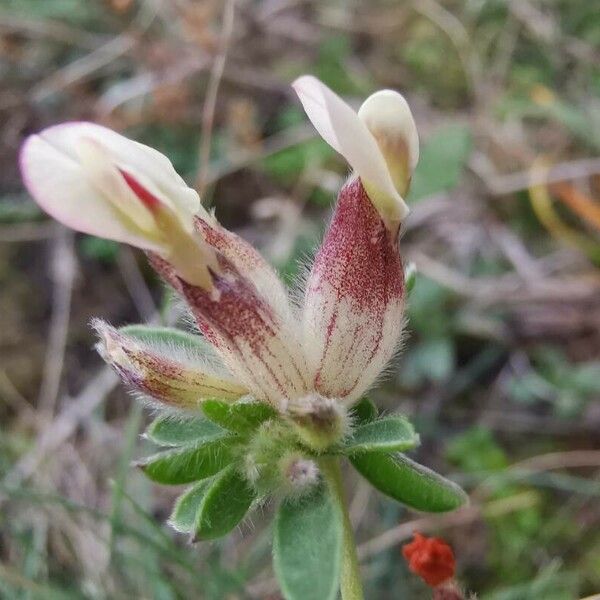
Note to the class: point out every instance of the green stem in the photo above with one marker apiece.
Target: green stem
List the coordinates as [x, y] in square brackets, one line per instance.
[350, 584]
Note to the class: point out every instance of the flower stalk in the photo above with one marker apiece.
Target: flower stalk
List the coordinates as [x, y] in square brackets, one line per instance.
[350, 580]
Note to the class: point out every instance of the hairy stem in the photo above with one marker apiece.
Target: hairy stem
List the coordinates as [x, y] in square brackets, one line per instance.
[350, 583]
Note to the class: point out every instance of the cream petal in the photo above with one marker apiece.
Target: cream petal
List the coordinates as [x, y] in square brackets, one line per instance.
[146, 162]
[343, 130]
[99, 167]
[388, 112]
[66, 187]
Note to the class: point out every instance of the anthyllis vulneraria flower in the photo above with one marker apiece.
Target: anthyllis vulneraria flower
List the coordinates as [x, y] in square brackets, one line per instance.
[266, 393]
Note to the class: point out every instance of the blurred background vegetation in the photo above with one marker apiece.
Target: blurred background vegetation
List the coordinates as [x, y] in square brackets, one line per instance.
[501, 364]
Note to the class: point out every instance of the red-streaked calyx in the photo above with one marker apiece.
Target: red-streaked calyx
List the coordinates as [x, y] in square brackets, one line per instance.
[257, 340]
[354, 299]
[175, 378]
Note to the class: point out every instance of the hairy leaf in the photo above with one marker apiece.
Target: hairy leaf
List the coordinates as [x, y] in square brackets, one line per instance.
[168, 336]
[409, 482]
[183, 517]
[223, 505]
[364, 410]
[307, 547]
[190, 463]
[382, 435]
[240, 417]
[178, 430]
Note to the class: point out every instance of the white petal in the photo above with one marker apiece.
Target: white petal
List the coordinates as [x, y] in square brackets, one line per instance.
[143, 160]
[343, 130]
[99, 168]
[58, 183]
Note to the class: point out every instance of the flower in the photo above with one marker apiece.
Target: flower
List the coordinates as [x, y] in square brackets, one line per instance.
[431, 559]
[381, 143]
[96, 181]
[310, 362]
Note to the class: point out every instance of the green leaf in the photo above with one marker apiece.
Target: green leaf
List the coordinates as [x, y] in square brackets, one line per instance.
[240, 417]
[409, 482]
[441, 162]
[224, 504]
[190, 463]
[178, 430]
[364, 410]
[383, 435]
[307, 547]
[183, 517]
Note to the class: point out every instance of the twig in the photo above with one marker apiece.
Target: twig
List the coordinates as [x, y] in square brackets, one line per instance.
[360, 502]
[543, 27]
[457, 34]
[500, 185]
[145, 83]
[51, 30]
[12, 397]
[273, 144]
[76, 410]
[210, 103]
[507, 289]
[64, 425]
[461, 517]
[104, 55]
[63, 270]
[27, 232]
[136, 286]
[546, 462]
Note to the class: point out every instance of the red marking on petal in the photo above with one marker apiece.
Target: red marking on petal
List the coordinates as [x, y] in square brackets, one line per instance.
[150, 201]
[359, 256]
[241, 324]
[235, 248]
[431, 559]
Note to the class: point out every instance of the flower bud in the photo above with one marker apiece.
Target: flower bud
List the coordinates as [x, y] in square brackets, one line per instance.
[380, 143]
[99, 182]
[298, 473]
[263, 453]
[174, 379]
